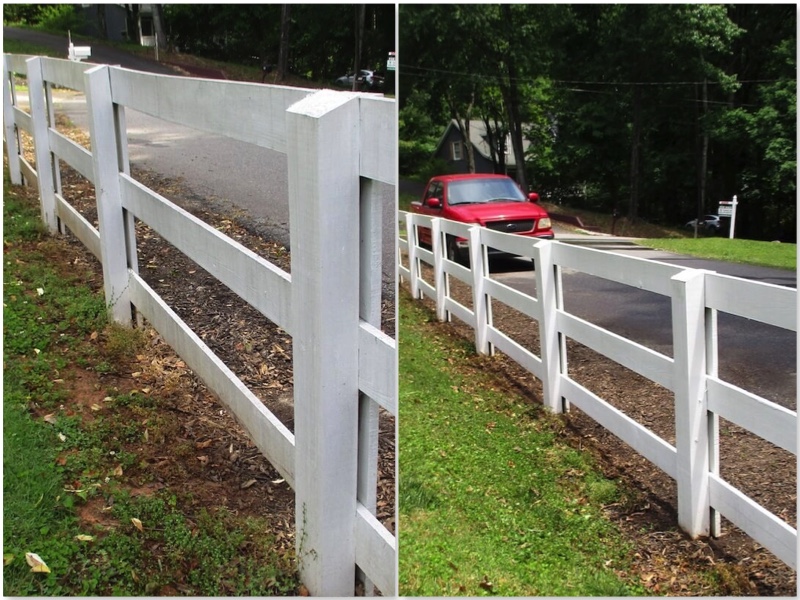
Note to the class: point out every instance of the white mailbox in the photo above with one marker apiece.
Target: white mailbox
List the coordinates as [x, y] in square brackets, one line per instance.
[78, 53]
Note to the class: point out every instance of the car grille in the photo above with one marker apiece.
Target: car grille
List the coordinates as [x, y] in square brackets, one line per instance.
[521, 226]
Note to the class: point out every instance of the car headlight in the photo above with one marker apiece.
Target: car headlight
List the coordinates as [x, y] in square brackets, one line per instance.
[545, 223]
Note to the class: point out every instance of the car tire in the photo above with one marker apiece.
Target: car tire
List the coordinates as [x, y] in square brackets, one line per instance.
[454, 253]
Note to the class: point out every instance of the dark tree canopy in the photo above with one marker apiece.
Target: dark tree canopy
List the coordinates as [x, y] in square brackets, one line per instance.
[657, 110]
[322, 38]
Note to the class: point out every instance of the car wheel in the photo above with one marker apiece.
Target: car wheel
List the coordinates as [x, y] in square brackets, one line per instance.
[454, 253]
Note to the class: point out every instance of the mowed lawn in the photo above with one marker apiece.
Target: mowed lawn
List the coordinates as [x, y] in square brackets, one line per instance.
[491, 502]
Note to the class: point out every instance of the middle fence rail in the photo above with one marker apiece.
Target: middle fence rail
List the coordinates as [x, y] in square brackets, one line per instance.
[701, 397]
[344, 367]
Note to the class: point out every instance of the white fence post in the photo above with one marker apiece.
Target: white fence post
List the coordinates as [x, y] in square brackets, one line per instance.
[323, 162]
[44, 158]
[481, 306]
[691, 407]
[11, 134]
[105, 160]
[441, 281]
[371, 275]
[549, 338]
[413, 263]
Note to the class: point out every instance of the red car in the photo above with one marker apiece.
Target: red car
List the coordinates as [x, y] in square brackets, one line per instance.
[492, 201]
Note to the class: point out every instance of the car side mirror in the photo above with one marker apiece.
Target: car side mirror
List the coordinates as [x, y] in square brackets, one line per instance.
[533, 197]
[433, 202]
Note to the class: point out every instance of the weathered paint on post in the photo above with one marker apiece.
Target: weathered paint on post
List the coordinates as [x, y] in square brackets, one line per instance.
[44, 158]
[105, 159]
[9, 127]
[323, 206]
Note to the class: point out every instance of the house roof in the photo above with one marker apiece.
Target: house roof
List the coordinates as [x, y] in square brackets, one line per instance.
[477, 135]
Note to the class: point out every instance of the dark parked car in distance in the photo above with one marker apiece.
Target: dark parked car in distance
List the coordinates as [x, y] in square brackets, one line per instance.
[709, 223]
[367, 79]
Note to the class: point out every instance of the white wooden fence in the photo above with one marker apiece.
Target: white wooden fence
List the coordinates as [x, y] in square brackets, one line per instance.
[337, 144]
[701, 397]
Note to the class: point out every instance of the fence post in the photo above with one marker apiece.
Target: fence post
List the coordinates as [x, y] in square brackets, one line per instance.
[481, 307]
[413, 265]
[371, 276]
[441, 281]
[549, 338]
[44, 158]
[111, 217]
[691, 408]
[11, 134]
[323, 162]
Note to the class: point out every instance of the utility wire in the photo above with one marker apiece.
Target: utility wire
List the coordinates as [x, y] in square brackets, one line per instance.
[429, 72]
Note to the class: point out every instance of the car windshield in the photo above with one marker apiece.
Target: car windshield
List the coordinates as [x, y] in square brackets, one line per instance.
[479, 191]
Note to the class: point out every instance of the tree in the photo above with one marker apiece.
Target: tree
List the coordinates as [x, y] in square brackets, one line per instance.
[283, 52]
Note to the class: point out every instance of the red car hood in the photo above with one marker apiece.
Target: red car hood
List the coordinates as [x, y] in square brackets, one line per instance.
[496, 211]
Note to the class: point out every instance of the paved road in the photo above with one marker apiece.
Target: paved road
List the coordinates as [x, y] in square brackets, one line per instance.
[757, 357]
[232, 175]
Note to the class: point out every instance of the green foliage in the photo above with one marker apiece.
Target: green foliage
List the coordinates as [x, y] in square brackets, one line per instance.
[321, 37]
[611, 99]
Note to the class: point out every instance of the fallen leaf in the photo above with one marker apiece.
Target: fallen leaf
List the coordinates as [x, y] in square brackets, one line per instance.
[201, 445]
[248, 484]
[84, 538]
[118, 471]
[93, 336]
[36, 564]
[8, 559]
[40, 291]
[278, 481]
[51, 418]
[62, 437]
[96, 407]
[137, 523]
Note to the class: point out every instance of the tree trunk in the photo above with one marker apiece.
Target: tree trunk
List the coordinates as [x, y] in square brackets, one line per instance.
[636, 150]
[158, 26]
[283, 51]
[132, 11]
[511, 97]
[361, 10]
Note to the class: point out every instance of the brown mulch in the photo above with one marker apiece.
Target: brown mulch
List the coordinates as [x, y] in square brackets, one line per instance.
[667, 560]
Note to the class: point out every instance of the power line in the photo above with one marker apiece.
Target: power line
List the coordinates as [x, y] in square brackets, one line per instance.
[404, 70]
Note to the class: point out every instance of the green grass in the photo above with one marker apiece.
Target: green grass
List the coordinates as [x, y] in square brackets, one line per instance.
[20, 47]
[54, 469]
[491, 503]
[765, 254]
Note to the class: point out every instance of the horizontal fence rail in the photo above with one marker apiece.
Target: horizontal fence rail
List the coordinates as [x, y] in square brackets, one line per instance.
[701, 397]
[331, 464]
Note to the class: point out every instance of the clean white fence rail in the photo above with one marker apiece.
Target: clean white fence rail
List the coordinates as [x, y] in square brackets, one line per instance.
[337, 144]
[701, 397]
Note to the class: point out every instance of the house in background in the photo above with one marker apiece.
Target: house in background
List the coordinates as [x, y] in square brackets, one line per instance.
[451, 149]
[120, 22]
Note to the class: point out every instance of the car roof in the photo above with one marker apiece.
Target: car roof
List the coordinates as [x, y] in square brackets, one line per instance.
[463, 176]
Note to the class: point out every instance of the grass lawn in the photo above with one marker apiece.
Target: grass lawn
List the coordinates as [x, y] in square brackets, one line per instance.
[491, 502]
[765, 254]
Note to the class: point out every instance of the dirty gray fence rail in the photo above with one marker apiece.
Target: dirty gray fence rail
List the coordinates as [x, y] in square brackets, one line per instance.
[337, 144]
[701, 396]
